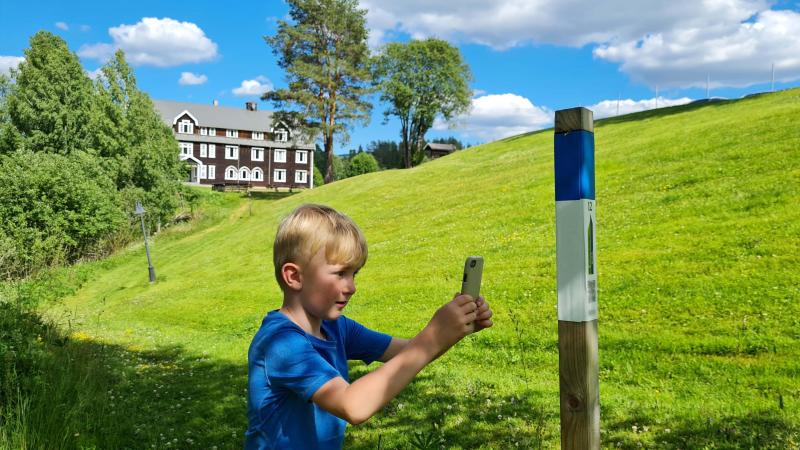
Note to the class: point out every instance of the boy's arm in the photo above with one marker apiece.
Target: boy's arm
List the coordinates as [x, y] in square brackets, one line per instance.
[396, 346]
[357, 402]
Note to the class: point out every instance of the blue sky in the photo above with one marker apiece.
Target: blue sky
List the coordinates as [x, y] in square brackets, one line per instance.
[528, 57]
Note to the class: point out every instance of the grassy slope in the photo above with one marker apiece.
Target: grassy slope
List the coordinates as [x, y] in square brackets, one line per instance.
[698, 255]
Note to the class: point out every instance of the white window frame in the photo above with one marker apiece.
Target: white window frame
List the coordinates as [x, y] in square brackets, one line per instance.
[244, 173]
[232, 133]
[279, 176]
[235, 155]
[204, 150]
[185, 126]
[282, 152]
[203, 131]
[187, 148]
[259, 172]
[257, 154]
[212, 150]
[212, 172]
[203, 172]
[228, 172]
[301, 176]
[281, 136]
[301, 157]
[212, 131]
[258, 135]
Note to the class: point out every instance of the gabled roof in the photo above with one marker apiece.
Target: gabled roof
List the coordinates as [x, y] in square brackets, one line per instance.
[437, 146]
[216, 116]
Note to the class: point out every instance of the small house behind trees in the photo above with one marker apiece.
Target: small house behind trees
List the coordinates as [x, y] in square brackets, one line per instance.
[435, 150]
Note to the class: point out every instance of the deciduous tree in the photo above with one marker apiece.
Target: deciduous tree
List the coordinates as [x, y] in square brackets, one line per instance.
[49, 105]
[421, 80]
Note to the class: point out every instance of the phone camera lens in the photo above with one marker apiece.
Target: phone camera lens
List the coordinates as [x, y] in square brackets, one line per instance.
[472, 263]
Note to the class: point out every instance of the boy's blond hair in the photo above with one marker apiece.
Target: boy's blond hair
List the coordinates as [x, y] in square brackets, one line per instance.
[310, 228]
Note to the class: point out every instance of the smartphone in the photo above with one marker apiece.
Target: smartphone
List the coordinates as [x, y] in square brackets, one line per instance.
[473, 271]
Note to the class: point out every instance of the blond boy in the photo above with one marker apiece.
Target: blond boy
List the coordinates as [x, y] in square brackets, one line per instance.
[299, 394]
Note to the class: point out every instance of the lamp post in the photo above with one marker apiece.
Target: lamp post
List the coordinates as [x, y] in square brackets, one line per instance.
[139, 211]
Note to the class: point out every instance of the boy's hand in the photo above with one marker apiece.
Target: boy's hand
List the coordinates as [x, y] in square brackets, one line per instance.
[483, 314]
[451, 323]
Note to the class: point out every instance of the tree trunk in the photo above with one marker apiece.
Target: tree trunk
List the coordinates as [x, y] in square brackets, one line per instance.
[329, 158]
[406, 144]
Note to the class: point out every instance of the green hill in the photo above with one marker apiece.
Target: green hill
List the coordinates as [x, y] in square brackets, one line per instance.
[699, 280]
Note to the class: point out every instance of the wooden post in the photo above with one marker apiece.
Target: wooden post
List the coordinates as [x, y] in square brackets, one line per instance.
[577, 279]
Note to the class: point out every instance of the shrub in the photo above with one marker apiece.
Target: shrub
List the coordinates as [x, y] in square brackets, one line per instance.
[53, 209]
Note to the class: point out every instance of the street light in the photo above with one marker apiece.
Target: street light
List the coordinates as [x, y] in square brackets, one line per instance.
[140, 212]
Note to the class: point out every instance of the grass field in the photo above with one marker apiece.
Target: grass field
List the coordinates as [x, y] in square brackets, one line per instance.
[699, 281]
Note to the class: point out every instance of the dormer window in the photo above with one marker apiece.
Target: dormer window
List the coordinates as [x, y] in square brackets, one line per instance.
[232, 133]
[185, 126]
[258, 135]
[281, 136]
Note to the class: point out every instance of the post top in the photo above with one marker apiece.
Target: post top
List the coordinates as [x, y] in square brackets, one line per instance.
[574, 119]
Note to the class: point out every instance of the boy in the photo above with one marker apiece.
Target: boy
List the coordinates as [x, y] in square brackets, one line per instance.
[299, 394]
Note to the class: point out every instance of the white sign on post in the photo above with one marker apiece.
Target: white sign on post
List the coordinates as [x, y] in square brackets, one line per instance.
[576, 260]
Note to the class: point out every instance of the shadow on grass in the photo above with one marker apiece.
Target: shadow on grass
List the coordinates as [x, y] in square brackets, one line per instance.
[432, 414]
[270, 195]
[75, 393]
[755, 430]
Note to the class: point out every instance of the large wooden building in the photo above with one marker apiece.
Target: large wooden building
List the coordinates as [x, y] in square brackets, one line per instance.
[230, 146]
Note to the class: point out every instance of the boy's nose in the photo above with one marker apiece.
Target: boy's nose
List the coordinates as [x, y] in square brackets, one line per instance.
[350, 287]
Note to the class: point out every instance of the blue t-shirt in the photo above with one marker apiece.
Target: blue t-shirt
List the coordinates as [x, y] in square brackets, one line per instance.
[287, 366]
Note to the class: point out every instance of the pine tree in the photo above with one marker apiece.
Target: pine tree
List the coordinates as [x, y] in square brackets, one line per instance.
[325, 55]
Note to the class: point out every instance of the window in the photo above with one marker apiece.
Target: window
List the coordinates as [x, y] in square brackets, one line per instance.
[186, 148]
[204, 150]
[212, 151]
[280, 155]
[258, 135]
[257, 175]
[300, 176]
[203, 172]
[281, 136]
[257, 154]
[244, 173]
[232, 133]
[212, 131]
[231, 173]
[231, 152]
[203, 131]
[279, 175]
[212, 172]
[185, 126]
[301, 157]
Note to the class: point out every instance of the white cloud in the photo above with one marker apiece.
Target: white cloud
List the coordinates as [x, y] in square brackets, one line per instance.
[157, 42]
[657, 42]
[190, 79]
[9, 62]
[507, 23]
[85, 28]
[62, 26]
[739, 56]
[256, 87]
[498, 116]
[608, 108]
[95, 74]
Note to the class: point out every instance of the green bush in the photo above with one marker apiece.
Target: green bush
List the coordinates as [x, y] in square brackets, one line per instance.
[362, 163]
[53, 209]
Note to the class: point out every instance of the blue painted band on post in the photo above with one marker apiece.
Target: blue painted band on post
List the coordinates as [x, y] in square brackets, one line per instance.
[574, 165]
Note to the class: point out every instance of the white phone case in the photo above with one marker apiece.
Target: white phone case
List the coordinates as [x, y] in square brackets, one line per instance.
[473, 271]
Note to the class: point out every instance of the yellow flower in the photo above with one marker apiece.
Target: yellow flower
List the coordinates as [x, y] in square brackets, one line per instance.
[81, 336]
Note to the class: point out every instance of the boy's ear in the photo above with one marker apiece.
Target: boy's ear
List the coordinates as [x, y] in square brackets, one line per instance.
[292, 276]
